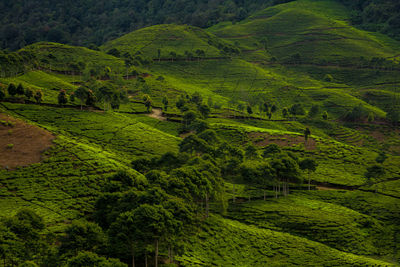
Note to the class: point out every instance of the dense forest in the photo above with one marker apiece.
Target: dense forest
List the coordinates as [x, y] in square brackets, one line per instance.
[95, 22]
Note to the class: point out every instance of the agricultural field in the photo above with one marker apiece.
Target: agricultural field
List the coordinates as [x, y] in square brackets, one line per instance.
[269, 141]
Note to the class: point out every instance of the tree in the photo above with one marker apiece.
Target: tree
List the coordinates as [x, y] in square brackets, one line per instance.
[251, 151]
[285, 112]
[165, 103]
[393, 115]
[147, 102]
[314, 111]
[124, 236]
[271, 150]
[180, 104]
[72, 97]
[105, 94]
[20, 89]
[273, 110]
[297, 109]
[286, 170]
[193, 143]
[188, 118]
[173, 55]
[90, 259]
[307, 133]
[374, 172]
[28, 93]
[82, 236]
[91, 98]
[82, 94]
[62, 98]
[309, 165]
[38, 96]
[249, 110]
[325, 116]
[11, 89]
[159, 54]
[153, 222]
[196, 98]
[204, 110]
[381, 157]
[265, 176]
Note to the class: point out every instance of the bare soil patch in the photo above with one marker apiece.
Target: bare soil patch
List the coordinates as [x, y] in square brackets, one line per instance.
[157, 113]
[22, 144]
[264, 139]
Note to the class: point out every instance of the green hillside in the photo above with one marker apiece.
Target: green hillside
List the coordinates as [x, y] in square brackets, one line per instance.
[269, 141]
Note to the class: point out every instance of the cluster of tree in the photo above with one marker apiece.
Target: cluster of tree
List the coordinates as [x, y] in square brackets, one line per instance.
[25, 241]
[376, 15]
[12, 64]
[375, 172]
[193, 120]
[19, 91]
[144, 216]
[95, 22]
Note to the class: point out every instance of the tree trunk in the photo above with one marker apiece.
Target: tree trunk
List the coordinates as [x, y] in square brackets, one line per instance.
[309, 182]
[156, 254]
[145, 260]
[169, 253]
[234, 194]
[133, 258]
[264, 195]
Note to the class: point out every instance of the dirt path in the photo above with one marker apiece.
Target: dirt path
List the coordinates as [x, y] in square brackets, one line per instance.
[157, 113]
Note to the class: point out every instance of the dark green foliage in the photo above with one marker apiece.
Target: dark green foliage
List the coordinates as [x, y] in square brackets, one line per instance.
[297, 109]
[90, 259]
[20, 90]
[11, 89]
[82, 236]
[82, 94]
[271, 150]
[165, 103]
[210, 136]
[375, 172]
[21, 237]
[147, 102]
[196, 98]
[38, 96]
[249, 110]
[2, 95]
[204, 110]
[358, 113]
[251, 151]
[393, 115]
[381, 157]
[62, 98]
[192, 144]
[307, 133]
[91, 98]
[28, 93]
[314, 111]
[325, 115]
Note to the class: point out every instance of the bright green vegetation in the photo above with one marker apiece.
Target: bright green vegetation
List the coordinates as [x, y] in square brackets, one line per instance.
[167, 39]
[188, 145]
[237, 244]
[117, 133]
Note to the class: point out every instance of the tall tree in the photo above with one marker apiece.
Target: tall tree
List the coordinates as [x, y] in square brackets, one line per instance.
[309, 165]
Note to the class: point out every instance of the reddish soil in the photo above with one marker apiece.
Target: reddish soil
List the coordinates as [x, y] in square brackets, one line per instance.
[28, 143]
[263, 139]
